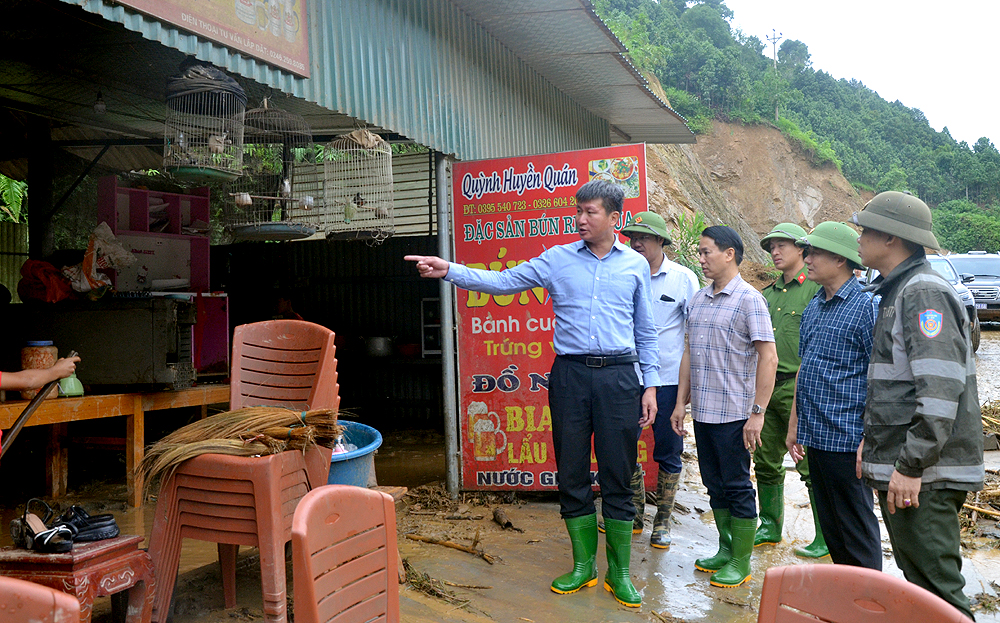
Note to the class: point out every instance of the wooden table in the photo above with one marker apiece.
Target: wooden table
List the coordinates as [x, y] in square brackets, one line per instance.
[112, 567]
[133, 407]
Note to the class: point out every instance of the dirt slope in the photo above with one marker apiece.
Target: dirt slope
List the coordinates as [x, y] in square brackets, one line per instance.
[771, 181]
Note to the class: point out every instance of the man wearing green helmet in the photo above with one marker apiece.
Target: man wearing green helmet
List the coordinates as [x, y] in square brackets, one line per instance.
[828, 413]
[672, 286]
[786, 298]
[923, 443]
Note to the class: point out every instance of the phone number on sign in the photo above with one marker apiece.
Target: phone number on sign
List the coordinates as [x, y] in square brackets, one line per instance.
[501, 207]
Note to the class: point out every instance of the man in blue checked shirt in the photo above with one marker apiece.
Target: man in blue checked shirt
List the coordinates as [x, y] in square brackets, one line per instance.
[828, 415]
[601, 298]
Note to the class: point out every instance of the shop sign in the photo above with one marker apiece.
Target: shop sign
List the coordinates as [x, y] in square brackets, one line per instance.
[274, 31]
[506, 212]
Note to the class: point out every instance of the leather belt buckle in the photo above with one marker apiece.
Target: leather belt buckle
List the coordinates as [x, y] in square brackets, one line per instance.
[595, 362]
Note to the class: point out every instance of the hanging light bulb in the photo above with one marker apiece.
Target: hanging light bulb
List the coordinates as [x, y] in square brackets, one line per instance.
[99, 106]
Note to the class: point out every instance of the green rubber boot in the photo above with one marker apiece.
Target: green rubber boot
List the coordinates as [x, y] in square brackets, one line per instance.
[619, 548]
[583, 535]
[737, 570]
[666, 490]
[772, 514]
[723, 522]
[818, 548]
[638, 500]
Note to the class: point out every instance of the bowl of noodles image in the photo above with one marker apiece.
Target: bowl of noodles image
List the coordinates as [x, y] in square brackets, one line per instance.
[623, 169]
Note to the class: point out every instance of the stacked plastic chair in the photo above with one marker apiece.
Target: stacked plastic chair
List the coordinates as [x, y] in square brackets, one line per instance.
[344, 556]
[235, 501]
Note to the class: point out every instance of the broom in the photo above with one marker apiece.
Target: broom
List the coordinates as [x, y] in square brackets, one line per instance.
[252, 431]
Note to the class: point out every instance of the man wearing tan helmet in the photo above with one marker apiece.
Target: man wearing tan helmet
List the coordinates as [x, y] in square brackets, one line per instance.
[923, 443]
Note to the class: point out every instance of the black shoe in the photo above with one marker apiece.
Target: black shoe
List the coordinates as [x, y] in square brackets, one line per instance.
[87, 527]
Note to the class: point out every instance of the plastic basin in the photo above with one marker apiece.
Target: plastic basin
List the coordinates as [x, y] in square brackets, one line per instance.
[356, 467]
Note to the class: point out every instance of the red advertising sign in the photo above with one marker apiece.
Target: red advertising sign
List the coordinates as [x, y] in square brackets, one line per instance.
[275, 31]
[507, 211]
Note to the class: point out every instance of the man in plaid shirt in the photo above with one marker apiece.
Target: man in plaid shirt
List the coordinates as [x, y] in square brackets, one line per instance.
[828, 415]
[727, 373]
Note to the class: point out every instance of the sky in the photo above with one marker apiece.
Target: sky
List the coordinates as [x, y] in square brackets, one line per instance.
[939, 57]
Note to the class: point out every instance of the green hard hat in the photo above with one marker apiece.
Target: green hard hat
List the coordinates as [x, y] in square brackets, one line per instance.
[837, 238]
[783, 231]
[648, 223]
[898, 214]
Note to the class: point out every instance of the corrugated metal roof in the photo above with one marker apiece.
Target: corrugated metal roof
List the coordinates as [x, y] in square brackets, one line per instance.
[446, 74]
[567, 43]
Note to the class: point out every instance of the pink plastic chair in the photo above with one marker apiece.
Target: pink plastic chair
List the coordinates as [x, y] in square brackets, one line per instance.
[284, 363]
[24, 602]
[344, 556]
[237, 501]
[846, 594]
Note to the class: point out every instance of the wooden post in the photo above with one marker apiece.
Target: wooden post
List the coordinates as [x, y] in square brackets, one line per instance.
[135, 432]
[56, 461]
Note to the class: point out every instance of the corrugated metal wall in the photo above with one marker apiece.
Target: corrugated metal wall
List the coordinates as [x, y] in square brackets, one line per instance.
[358, 291]
[13, 253]
[421, 68]
[413, 195]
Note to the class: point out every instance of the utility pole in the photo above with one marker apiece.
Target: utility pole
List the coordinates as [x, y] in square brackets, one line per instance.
[774, 39]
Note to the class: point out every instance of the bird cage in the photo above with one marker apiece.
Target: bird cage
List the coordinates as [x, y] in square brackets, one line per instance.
[276, 196]
[203, 130]
[357, 185]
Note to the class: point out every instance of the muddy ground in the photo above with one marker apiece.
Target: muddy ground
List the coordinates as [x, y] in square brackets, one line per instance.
[525, 562]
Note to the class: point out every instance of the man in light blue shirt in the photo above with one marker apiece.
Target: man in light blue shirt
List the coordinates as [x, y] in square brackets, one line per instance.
[600, 292]
[673, 287]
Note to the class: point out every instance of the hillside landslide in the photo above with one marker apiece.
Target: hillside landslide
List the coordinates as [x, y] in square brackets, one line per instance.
[748, 177]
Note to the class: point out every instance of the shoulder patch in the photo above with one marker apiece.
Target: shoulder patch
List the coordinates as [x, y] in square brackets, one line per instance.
[930, 322]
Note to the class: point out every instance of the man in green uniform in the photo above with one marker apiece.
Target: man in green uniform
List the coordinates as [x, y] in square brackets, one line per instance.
[786, 298]
[922, 449]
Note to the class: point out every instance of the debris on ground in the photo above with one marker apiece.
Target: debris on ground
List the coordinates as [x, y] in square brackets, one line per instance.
[981, 512]
[500, 516]
[470, 549]
[987, 602]
[431, 587]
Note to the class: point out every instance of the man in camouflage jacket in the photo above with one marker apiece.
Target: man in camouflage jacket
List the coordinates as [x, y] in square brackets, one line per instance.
[923, 442]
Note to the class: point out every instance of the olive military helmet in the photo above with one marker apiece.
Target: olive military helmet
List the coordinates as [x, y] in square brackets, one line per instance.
[782, 231]
[837, 238]
[898, 214]
[648, 223]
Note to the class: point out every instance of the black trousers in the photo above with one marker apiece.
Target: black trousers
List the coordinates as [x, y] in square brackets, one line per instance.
[668, 445]
[845, 506]
[603, 404]
[725, 468]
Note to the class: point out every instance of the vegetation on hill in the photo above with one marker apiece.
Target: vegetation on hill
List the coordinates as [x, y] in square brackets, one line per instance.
[710, 70]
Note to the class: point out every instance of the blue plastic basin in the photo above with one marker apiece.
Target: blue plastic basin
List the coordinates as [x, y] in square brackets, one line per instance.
[356, 467]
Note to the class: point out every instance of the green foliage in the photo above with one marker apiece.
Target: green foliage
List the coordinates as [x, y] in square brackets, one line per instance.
[820, 153]
[685, 241]
[692, 48]
[962, 226]
[12, 194]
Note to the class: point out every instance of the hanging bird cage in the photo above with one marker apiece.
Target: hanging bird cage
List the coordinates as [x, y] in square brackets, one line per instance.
[203, 130]
[357, 184]
[278, 194]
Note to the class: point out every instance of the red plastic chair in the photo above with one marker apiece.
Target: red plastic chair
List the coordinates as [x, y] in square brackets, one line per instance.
[344, 556]
[237, 501]
[846, 594]
[285, 363]
[24, 602]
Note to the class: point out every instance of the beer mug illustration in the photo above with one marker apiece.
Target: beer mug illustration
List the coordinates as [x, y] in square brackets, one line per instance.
[246, 11]
[291, 21]
[484, 431]
[274, 17]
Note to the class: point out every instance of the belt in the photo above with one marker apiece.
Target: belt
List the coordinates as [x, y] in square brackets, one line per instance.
[781, 377]
[598, 361]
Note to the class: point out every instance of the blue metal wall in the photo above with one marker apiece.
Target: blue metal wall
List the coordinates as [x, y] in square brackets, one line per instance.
[421, 68]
